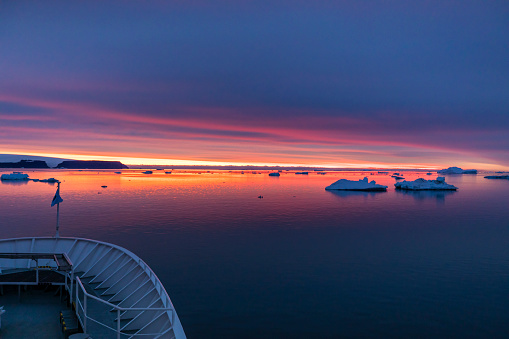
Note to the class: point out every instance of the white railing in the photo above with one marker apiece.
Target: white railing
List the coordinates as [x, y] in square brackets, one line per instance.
[83, 314]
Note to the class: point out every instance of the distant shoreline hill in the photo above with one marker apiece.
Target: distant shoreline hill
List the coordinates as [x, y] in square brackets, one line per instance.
[25, 164]
[91, 164]
[51, 162]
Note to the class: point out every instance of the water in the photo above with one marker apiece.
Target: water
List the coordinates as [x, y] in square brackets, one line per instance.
[301, 262]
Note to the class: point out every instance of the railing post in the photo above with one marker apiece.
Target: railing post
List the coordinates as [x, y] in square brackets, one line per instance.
[72, 285]
[85, 311]
[118, 323]
[76, 298]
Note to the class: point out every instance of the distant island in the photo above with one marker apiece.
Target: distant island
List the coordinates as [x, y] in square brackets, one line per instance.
[25, 164]
[91, 164]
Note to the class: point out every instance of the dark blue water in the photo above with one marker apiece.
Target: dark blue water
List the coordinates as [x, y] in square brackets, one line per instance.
[301, 262]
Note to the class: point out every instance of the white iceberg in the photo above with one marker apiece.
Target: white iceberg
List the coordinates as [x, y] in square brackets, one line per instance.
[147, 172]
[497, 176]
[423, 184]
[274, 174]
[360, 185]
[457, 170]
[14, 176]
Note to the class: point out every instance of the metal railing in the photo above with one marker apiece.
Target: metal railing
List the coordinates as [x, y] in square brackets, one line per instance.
[83, 313]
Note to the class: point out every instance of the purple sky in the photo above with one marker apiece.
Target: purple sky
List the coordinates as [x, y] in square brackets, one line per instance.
[336, 83]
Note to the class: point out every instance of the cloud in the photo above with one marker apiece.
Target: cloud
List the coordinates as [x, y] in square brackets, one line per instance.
[303, 79]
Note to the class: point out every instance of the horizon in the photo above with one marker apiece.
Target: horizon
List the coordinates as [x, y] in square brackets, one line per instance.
[219, 166]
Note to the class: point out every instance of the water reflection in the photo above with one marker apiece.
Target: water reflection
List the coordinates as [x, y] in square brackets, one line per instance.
[437, 195]
[363, 264]
[350, 194]
[14, 182]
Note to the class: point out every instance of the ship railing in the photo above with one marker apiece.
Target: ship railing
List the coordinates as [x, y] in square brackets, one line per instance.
[84, 315]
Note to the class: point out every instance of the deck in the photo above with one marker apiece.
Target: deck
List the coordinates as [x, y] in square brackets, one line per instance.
[32, 314]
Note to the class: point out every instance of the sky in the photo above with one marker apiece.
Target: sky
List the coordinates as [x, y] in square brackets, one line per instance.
[408, 84]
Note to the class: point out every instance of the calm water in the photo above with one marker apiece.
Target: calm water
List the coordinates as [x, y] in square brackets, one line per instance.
[301, 262]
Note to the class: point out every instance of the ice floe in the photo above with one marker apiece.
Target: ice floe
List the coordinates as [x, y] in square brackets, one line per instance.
[360, 185]
[14, 176]
[48, 180]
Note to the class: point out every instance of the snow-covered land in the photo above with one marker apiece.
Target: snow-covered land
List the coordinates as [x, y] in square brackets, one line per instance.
[14, 176]
[457, 170]
[360, 185]
[423, 184]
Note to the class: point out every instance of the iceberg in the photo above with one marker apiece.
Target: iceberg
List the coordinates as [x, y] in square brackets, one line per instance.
[497, 177]
[457, 170]
[360, 185]
[423, 184]
[274, 174]
[14, 176]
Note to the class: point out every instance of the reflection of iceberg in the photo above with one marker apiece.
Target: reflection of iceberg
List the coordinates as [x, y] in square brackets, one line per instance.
[14, 176]
[423, 184]
[360, 185]
[457, 170]
[14, 182]
[344, 194]
[420, 195]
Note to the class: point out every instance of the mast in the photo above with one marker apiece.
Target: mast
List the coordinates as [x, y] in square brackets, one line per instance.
[58, 211]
